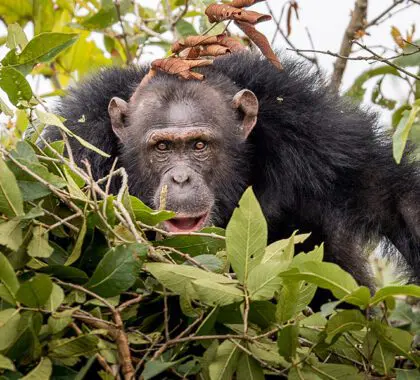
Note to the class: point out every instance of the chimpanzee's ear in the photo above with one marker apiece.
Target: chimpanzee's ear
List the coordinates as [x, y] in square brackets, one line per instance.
[117, 109]
[246, 102]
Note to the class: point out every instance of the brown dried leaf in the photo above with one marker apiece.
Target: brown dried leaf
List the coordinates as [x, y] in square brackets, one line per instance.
[214, 50]
[397, 36]
[244, 3]
[190, 53]
[410, 34]
[261, 41]
[222, 12]
[232, 43]
[192, 41]
[181, 67]
[292, 7]
[359, 34]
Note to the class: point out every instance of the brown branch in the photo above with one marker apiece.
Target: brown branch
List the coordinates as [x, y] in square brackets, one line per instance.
[357, 23]
[117, 333]
[182, 14]
[98, 356]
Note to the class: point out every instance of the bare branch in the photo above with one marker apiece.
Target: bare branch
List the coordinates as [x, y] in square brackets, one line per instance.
[357, 23]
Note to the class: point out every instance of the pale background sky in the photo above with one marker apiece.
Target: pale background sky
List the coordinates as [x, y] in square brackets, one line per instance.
[326, 21]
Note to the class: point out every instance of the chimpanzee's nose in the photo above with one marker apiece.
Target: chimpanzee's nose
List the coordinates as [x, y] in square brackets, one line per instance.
[180, 176]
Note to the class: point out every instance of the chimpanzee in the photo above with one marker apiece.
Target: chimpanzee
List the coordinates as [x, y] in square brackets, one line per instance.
[317, 162]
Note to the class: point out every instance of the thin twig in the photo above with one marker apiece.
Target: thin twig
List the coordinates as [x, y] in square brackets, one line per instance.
[280, 30]
[124, 33]
[383, 13]
[387, 61]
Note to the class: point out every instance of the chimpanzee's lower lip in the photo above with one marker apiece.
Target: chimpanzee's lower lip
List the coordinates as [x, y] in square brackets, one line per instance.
[186, 224]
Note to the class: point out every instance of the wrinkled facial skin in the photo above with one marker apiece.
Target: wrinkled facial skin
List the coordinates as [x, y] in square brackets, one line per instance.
[180, 151]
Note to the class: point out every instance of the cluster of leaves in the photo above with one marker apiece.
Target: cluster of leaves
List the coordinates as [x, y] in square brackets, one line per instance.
[405, 116]
[83, 291]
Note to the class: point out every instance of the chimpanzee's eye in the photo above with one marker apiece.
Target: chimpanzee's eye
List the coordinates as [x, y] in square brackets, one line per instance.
[162, 146]
[200, 145]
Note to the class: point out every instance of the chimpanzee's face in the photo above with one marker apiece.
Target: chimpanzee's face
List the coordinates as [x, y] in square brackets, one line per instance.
[179, 147]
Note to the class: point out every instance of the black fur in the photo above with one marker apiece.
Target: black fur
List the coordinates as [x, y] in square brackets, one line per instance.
[317, 163]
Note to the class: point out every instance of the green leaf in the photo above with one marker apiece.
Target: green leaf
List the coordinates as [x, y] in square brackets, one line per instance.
[346, 320]
[65, 273]
[74, 347]
[403, 129]
[412, 60]
[8, 279]
[77, 249]
[11, 234]
[83, 57]
[396, 340]
[294, 296]
[11, 203]
[337, 371]
[6, 363]
[116, 272]
[9, 322]
[264, 280]
[215, 294]
[357, 90]
[395, 290]
[185, 28]
[246, 236]
[359, 297]
[179, 278]
[14, 84]
[210, 262]
[297, 373]
[249, 368]
[43, 15]
[287, 341]
[43, 48]
[102, 19]
[154, 368]
[26, 346]
[36, 291]
[16, 37]
[38, 246]
[196, 245]
[42, 371]
[326, 275]
[16, 10]
[225, 361]
[51, 119]
[380, 356]
[145, 214]
[283, 250]
[407, 374]
[56, 298]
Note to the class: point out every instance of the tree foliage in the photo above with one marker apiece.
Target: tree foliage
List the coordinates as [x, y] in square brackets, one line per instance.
[85, 291]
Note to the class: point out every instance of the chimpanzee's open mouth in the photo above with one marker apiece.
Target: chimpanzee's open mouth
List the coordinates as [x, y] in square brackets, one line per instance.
[186, 224]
